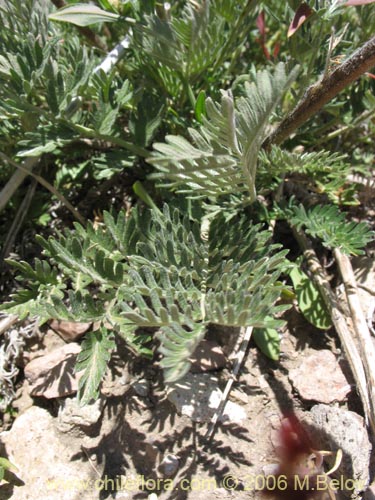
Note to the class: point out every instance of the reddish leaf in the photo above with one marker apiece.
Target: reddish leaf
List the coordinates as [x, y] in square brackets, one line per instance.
[276, 50]
[371, 75]
[261, 24]
[358, 2]
[302, 13]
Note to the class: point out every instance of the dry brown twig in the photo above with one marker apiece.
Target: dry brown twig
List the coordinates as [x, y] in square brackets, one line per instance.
[365, 342]
[48, 186]
[323, 91]
[348, 342]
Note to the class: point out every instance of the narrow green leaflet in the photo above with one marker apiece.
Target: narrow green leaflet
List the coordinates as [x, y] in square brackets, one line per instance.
[268, 341]
[200, 106]
[82, 14]
[327, 223]
[310, 301]
[93, 359]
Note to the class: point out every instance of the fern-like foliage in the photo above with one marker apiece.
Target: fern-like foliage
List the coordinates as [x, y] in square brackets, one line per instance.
[154, 269]
[325, 171]
[329, 225]
[50, 94]
[176, 51]
[221, 157]
[93, 358]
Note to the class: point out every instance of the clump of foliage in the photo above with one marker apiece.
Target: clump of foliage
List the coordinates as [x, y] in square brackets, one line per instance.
[189, 108]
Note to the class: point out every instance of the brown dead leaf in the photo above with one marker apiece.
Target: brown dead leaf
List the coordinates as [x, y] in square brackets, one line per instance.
[302, 13]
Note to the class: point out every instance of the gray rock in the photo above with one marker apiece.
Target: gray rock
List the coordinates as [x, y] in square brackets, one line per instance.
[345, 430]
[320, 378]
[72, 415]
[141, 387]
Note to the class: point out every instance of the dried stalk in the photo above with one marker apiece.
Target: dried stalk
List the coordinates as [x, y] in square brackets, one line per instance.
[238, 362]
[17, 222]
[346, 337]
[320, 93]
[16, 180]
[6, 322]
[48, 186]
[361, 329]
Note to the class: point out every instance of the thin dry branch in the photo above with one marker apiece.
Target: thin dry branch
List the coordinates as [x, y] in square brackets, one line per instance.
[48, 186]
[16, 180]
[346, 337]
[366, 345]
[318, 94]
[240, 354]
[6, 322]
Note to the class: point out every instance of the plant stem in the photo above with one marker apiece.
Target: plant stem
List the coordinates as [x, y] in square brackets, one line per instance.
[318, 94]
[16, 180]
[246, 332]
[366, 345]
[338, 319]
[234, 33]
[48, 186]
[345, 128]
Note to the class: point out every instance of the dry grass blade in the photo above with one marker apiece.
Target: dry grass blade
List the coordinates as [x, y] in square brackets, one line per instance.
[238, 362]
[346, 336]
[365, 342]
[48, 186]
[16, 180]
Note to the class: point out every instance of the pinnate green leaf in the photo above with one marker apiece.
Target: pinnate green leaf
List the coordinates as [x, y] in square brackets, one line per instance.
[93, 359]
[268, 341]
[310, 301]
[82, 14]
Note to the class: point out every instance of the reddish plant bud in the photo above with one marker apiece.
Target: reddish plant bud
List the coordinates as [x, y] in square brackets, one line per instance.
[299, 464]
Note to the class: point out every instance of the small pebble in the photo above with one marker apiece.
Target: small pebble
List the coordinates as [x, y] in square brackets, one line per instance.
[169, 465]
[141, 387]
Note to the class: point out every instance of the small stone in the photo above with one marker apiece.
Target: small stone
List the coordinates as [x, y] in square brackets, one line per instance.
[52, 375]
[169, 466]
[69, 330]
[233, 413]
[45, 463]
[336, 428]
[270, 469]
[320, 378]
[141, 387]
[208, 356]
[72, 414]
